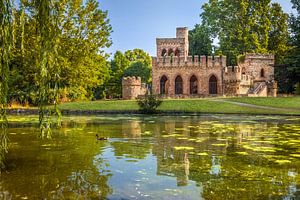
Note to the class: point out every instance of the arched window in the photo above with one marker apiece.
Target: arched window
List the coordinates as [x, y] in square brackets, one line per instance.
[163, 52]
[262, 73]
[213, 85]
[178, 85]
[177, 52]
[163, 85]
[170, 52]
[193, 85]
[243, 70]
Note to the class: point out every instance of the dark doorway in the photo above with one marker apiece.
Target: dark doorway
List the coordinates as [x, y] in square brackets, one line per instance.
[178, 85]
[193, 85]
[262, 73]
[213, 85]
[163, 85]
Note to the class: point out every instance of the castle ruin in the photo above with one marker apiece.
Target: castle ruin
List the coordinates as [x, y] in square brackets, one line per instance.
[177, 74]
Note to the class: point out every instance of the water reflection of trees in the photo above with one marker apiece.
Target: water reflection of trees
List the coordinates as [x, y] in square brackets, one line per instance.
[61, 168]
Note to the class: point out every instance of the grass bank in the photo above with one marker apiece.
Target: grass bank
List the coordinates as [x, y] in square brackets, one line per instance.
[279, 102]
[274, 106]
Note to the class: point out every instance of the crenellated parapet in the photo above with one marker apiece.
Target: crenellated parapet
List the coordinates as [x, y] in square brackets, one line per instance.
[232, 74]
[132, 81]
[190, 61]
[261, 59]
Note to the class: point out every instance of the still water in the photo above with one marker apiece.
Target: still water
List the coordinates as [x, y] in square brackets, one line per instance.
[163, 157]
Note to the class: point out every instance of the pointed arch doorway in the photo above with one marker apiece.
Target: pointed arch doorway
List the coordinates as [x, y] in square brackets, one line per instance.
[213, 85]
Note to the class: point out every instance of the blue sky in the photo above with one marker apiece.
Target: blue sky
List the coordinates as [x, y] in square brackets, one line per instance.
[137, 23]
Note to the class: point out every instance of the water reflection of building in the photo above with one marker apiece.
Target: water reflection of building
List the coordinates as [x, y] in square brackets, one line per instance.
[131, 129]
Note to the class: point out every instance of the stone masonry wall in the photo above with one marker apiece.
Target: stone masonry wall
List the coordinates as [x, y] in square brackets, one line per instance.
[132, 87]
[186, 70]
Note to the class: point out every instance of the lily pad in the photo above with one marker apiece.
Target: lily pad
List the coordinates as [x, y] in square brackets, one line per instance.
[183, 148]
[202, 154]
[242, 153]
[219, 145]
[282, 162]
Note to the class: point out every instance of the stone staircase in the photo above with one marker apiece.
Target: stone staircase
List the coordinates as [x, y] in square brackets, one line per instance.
[257, 89]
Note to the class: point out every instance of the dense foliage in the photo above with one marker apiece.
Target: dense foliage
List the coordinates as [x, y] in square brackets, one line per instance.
[293, 59]
[200, 40]
[5, 56]
[70, 36]
[246, 27]
[134, 62]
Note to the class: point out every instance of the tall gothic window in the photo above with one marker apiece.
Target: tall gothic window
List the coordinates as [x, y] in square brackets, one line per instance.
[177, 52]
[213, 85]
[193, 85]
[178, 85]
[163, 52]
[163, 85]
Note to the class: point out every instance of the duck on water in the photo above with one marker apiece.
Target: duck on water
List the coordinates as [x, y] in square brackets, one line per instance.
[101, 138]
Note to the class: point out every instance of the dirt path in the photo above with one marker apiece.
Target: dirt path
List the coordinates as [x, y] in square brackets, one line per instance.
[254, 106]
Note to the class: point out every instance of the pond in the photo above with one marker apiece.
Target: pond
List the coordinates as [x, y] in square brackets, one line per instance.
[160, 157]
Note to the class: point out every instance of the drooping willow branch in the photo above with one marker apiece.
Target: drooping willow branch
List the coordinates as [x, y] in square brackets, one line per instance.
[49, 70]
[5, 51]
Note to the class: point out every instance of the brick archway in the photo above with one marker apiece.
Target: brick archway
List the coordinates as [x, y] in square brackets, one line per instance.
[213, 85]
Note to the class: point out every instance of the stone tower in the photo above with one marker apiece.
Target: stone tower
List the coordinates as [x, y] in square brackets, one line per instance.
[132, 87]
[178, 46]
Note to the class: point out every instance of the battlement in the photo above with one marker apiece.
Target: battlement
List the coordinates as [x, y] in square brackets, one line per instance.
[267, 59]
[131, 81]
[169, 41]
[181, 61]
[259, 56]
[232, 74]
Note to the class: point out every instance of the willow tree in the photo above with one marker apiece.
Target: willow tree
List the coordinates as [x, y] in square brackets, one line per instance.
[46, 60]
[5, 43]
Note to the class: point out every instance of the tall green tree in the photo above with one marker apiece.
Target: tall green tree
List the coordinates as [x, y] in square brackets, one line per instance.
[278, 33]
[139, 69]
[293, 58]
[85, 33]
[82, 31]
[245, 26]
[200, 40]
[134, 62]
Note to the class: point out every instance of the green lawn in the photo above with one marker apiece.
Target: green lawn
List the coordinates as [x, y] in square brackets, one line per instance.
[279, 102]
[100, 105]
[196, 105]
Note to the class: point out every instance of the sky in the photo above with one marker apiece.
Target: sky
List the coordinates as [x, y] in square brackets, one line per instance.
[137, 23]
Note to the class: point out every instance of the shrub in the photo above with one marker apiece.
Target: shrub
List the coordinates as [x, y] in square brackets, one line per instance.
[148, 104]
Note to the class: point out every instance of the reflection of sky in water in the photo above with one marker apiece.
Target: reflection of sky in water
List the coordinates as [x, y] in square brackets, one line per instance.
[215, 166]
[138, 179]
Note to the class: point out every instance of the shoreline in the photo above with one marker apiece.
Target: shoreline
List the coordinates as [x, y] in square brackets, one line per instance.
[16, 111]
